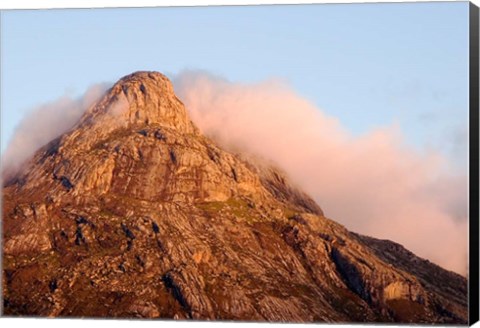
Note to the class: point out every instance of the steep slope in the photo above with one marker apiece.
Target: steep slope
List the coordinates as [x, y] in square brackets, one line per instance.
[134, 213]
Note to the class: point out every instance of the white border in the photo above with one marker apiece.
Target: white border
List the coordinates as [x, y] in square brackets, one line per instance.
[74, 323]
[45, 4]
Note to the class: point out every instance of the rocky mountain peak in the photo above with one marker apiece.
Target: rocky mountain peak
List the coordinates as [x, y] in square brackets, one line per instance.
[134, 213]
[138, 99]
[161, 82]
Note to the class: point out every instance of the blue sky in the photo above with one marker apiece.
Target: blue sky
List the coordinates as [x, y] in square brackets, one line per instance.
[367, 64]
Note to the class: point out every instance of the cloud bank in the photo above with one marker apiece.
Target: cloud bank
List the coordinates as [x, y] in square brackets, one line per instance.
[373, 184]
[43, 124]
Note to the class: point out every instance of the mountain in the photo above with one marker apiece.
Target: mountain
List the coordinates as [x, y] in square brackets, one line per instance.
[135, 213]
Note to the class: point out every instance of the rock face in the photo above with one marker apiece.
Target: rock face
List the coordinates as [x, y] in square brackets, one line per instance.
[134, 213]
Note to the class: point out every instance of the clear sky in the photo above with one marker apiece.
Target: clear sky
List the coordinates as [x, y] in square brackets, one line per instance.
[367, 64]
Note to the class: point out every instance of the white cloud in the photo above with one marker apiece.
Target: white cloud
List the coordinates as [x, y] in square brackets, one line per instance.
[373, 184]
[43, 124]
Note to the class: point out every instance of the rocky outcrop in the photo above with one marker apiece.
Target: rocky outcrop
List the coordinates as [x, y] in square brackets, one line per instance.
[134, 213]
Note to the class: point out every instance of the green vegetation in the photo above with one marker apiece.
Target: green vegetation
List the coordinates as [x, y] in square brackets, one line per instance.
[233, 206]
[211, 207]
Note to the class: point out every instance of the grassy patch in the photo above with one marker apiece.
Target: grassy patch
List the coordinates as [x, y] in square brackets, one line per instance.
[234, 207]
[211, 207]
